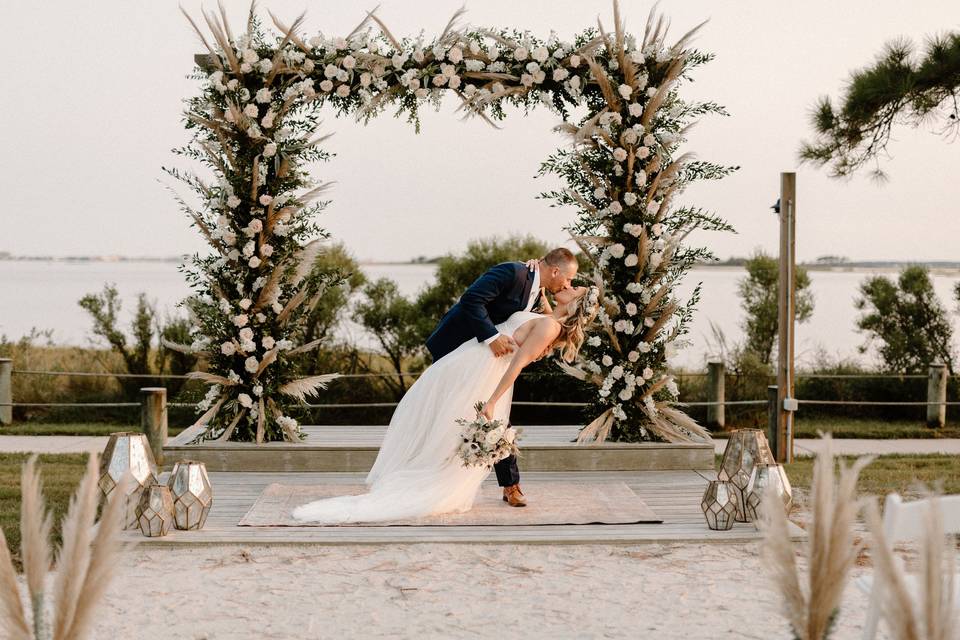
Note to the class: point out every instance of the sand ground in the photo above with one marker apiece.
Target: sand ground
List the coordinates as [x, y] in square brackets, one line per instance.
[688, 591]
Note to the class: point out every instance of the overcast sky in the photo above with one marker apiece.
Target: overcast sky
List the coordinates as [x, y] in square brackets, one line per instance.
[91, 107]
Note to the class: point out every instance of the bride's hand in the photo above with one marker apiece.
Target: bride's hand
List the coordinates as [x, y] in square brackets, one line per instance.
[487, 411]
[532, 263]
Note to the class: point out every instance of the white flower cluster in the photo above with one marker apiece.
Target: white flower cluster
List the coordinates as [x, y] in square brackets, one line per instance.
[486, 442]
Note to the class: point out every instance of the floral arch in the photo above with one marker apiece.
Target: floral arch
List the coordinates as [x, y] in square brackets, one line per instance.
[254, 125]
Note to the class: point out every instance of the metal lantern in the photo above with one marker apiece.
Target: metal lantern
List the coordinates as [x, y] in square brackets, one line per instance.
[192, 494]
[745, 449]
[720, 504]
[155, 511]
[765, 475]
[127, 453]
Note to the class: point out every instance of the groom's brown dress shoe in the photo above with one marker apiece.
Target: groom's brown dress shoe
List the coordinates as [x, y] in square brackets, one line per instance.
[513, 496]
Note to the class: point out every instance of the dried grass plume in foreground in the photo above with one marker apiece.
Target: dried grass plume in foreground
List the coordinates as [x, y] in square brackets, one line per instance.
[831, 547]
[85, 560]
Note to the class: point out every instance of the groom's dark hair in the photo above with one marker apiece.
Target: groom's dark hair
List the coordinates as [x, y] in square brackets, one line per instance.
[560, 257]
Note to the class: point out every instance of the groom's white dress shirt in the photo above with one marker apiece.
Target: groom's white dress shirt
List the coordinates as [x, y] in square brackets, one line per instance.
[534, 291]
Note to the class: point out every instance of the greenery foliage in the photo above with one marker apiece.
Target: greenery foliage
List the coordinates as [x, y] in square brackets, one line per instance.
[759, 294]
[899, 87]
[905, 321]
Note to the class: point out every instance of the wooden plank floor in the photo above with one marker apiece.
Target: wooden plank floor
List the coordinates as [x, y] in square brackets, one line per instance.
[673, 495]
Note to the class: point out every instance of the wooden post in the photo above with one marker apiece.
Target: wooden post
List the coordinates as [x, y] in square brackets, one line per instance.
[787, 311]
[773, 421]
[153, 419]
[716, 416]
[937, 395]
[6, 390]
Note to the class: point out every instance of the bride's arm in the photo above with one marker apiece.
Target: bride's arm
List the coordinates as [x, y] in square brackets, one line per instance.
[541, 336]
[545, 307]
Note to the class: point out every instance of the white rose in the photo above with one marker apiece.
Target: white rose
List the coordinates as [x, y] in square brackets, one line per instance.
[649, 140]
[263, 96]
[643, 152]
[636, 56]
[454, 82]
[266, 250]
[520, 53]
[228, 348]
[647, 373]
[343, 90]
[656, 229]
[349, 62]
[630, 260]
[421, 93]
[652, 91]
[655, 259]
[251, 111]
[575, 83]
[633, 356]
[365, 79]
[241, 320]
[635, 110]
[540, 54]
[625, 90]
[326, 85]
[593, 341]
[340, 43]
[559, 75]
[630, 198]
[233, 202]
[606, 361]
[455, 55]
[617, 372]
[251, 364]
[574, 61]
[246, 334]
[619, 154]
[631, 308]
[615, 207]
[617, 250]
[256, 225]
[265, 66]
[625, 394]
[268, 342]
[254, 262]
[266, 199]
[245, 400]
[630, 136]
[270, 150]
[245, 303]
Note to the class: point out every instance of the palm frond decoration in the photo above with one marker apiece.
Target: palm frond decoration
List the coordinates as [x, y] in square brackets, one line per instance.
[304, 387]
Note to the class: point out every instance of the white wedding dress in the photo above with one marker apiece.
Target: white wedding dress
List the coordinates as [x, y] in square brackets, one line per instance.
[417, 471]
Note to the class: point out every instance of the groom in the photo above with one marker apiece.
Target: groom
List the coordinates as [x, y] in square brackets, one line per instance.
[501, 291]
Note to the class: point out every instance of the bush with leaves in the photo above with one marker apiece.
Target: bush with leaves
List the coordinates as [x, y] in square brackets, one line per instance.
[759, 292]
[905, 321]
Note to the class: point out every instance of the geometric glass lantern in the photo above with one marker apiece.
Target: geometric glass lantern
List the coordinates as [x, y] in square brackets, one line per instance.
[720, 504]
[192, 494]
[745, 449]
[127, 453]
[155, 511]
[765, 475]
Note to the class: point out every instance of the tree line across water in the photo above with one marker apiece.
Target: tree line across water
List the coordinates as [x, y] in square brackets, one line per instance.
[901, 319]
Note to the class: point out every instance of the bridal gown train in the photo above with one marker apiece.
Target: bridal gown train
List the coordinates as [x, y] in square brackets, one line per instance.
[417, 471]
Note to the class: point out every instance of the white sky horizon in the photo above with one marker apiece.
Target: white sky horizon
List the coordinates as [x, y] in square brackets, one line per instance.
[95, 107]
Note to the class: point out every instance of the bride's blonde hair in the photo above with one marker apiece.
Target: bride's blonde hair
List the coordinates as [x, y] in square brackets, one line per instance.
[578, 315]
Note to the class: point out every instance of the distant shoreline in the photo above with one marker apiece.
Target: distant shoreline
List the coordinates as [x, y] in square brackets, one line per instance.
[938, 266]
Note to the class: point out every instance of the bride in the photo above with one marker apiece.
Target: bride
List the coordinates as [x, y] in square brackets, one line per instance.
[418, 471]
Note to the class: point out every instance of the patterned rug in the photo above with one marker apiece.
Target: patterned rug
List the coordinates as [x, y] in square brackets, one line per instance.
[548, 503]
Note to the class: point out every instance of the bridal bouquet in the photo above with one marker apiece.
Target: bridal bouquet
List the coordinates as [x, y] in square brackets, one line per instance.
[486, 442]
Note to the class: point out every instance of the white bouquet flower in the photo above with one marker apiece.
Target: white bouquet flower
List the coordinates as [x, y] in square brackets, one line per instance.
[486, 442]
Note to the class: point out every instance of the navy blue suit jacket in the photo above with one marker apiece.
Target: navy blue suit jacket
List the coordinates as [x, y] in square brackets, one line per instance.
[491, 299]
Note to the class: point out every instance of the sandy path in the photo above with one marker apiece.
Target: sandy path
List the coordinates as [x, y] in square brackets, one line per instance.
[449, 591]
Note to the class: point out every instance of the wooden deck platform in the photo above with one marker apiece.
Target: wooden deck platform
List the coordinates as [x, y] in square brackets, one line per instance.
[353, 448]
[673, 495]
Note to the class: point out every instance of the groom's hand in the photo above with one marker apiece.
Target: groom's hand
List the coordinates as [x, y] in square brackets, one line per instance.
[503, 345]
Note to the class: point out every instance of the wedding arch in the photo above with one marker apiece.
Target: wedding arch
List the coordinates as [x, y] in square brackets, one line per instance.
[255, 123]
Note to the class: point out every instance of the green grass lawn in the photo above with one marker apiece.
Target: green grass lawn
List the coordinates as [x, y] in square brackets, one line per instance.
[72, 429]
[893, 473]
[870, 429]
[60, 473]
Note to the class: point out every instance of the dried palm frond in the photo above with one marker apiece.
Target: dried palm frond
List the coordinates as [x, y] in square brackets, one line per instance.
[505, 41]
[268, 358]
[598, 430]
[213, 22]
[309, 346]
[176, 346]
[255, 178]
[251, 16]
[303, 387]
[673, 72]
[305, 259]
[213, 54]
[603, 81]
[210, 413]
[13, 618]
[261, 421]
[451, 24]
[385, 31]
[211, 378]
[291, 306]
[289, 35]
[642, 244]
[35, 526]
[74, 555]
[232, 426]
[664, 317]
[680, 44]
[696, 432]
[831, 548]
